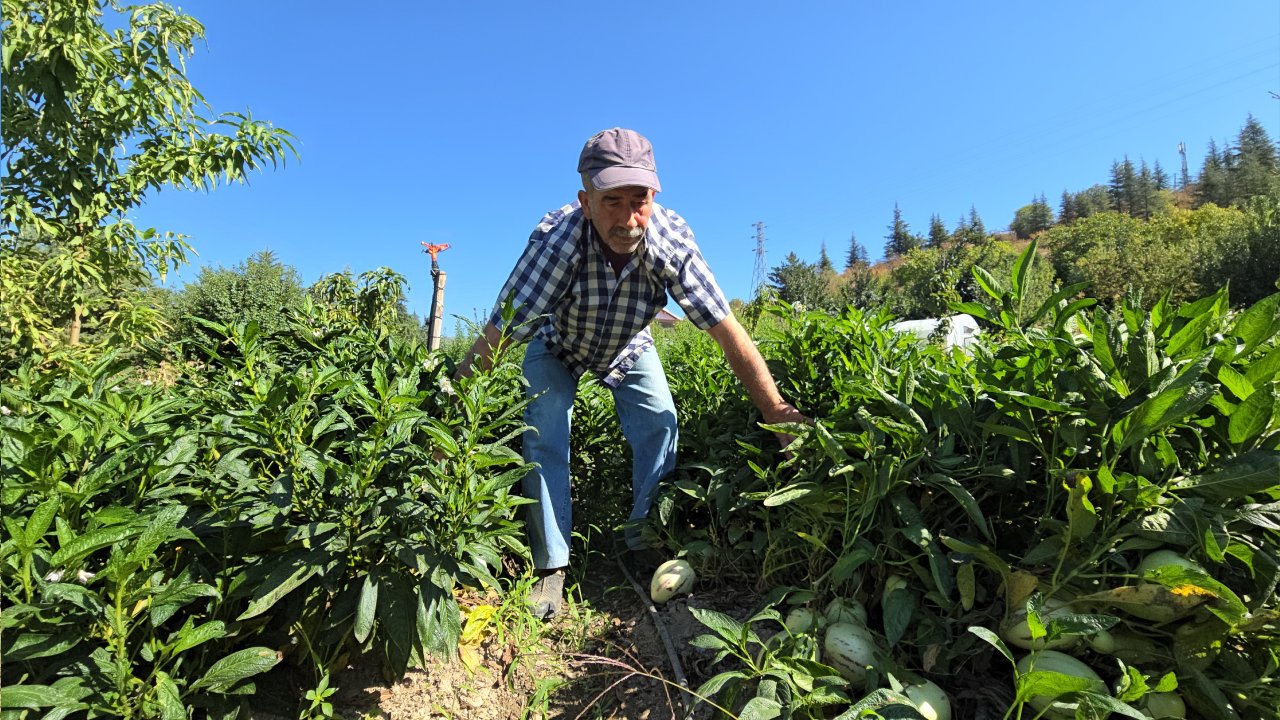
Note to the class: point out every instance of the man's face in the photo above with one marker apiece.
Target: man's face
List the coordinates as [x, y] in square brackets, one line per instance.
[620, 215]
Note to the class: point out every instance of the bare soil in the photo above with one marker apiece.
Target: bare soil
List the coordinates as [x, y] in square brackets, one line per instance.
[593, 668]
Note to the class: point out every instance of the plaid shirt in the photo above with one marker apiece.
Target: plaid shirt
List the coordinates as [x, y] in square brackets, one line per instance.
[599, 322]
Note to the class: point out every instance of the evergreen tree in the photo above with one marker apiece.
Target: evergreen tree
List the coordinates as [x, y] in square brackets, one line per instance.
[797, 281]
[1253, 166]
[1115, 187]
[1067, 210]
[824, 261]
[938, 236]
[1033, 218]
[1160, 177]
[961, 234]
[977, 231]
[1213, 186]
[1130, 187]
[857, 254]
[1144, 191]
[901, 241]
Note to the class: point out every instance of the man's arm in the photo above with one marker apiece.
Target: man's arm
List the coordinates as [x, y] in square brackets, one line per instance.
[482, 351]
[750, 368]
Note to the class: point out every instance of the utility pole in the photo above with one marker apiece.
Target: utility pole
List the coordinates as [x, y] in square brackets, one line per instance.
[437, 296]
[1182, 150]
[761, 272]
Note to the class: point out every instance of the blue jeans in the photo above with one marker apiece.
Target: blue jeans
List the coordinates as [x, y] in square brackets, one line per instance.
[648, 419]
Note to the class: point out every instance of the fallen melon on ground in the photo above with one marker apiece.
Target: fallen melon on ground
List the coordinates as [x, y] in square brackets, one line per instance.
[672, 578]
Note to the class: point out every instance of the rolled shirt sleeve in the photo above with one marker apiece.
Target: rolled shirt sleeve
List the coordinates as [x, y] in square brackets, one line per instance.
[695, 290]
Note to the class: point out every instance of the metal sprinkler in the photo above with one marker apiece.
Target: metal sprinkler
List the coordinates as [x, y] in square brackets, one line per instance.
[437, 295]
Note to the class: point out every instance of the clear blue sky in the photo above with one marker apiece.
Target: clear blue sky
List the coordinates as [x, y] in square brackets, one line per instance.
[462, 122]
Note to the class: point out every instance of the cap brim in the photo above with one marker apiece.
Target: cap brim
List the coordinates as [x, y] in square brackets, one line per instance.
[613, 177]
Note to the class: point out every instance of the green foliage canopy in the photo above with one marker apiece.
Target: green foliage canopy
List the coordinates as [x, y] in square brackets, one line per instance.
[92, 121]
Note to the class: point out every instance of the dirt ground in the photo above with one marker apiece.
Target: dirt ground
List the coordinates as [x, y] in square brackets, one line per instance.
[590, 666]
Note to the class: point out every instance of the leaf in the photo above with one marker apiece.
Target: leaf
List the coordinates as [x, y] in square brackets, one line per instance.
[30, 646]
[1015, 433]
[1081, 516]
[760, 708]
[1259, 323]
[1052, 302]
[169, 698]
[1204, 696]
[791, 492]
[967, 584]
[715, 684]
[966, 500]
[1022, 268]
[14, 697]
[1238, 384]
[1042, 683]
[287, 577]
[899, 606]
[396, 610]
[1157, 413]
[903, 412]
[847, 564]
[84, 545]
[988, 283]
[993, 639]
[1189, 582]
[1103, 703]
[159, 527]
[38, 524]
[1252, 417]
[982, 552]
[725, 626]
[236, 667]
[366, 610]
[191, 637]
[1261, 371]
[1253, 472]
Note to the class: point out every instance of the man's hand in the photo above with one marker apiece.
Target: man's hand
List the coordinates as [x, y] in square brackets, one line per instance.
[750, 368]
[785, 413]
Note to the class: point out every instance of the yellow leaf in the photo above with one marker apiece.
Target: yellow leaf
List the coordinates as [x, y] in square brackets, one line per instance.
[1191, 590]
[477, 622]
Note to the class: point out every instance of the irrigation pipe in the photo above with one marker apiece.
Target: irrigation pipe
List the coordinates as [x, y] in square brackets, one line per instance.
[662, 632]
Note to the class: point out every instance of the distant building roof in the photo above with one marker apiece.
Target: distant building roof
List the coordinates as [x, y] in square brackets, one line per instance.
[666, 318]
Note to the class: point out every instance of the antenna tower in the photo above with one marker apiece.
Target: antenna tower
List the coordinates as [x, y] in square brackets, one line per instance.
[1182, 150]
[761, 272]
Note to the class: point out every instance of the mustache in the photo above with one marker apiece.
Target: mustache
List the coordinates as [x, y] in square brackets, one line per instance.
[627, 233]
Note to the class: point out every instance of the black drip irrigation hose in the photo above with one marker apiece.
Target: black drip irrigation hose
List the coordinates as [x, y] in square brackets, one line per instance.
[666, 639]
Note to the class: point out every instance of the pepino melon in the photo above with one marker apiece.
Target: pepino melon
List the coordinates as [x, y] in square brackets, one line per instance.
[672, 578]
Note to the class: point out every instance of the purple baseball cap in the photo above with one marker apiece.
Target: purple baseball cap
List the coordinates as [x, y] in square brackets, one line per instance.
[616, 158]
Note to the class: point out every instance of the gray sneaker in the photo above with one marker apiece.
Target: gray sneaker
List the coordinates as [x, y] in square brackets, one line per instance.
[546, 597]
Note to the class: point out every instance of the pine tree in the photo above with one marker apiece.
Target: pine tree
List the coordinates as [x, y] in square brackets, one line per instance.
[901, 241]
[1115, 187]
[1160, 177]
[824, 261]
[857, 254]
[1252, 166]
[1131, 188]
[961, 234]
[1144, 191]
[977, 231]
[1213, 185]
[938, 236]
[1067, 210]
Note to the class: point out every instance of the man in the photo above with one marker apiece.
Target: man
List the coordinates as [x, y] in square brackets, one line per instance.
[601, 269]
